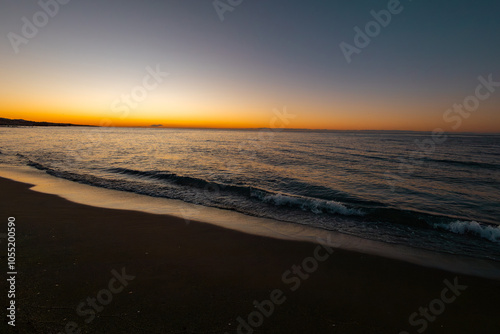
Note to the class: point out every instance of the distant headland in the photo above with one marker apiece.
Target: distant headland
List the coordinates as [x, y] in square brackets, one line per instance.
[22, 122]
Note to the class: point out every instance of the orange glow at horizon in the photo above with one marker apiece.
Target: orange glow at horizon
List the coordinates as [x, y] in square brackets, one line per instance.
[201, 104]
[174, 107]
[347, 120]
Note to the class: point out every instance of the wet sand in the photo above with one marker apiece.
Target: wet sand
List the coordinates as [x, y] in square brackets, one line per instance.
[93, 270]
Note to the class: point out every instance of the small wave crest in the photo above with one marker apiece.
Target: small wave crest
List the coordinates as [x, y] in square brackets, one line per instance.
[314, 205]
[472, 227]
[307, 204]
[474, 164]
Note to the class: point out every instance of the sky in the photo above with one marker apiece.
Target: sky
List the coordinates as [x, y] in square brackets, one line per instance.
[192, 63]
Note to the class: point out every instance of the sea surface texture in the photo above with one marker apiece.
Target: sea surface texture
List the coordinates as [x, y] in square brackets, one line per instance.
[437, 193]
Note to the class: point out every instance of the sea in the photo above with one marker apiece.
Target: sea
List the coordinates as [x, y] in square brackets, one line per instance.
[434, 193]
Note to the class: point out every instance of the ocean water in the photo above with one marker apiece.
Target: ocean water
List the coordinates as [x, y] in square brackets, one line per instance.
[405, 188]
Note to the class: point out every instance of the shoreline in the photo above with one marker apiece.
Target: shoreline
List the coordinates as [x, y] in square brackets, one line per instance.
[201, 278]
[232, 220]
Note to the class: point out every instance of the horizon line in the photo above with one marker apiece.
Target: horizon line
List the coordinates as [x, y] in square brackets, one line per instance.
[159, 126]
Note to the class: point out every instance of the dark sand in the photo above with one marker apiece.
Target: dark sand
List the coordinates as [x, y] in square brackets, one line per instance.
[198, 278]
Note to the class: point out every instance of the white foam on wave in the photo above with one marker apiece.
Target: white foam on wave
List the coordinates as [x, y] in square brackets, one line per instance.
[308, 204]
[463, 227]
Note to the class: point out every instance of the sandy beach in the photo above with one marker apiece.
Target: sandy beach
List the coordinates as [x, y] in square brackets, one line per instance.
[83, 269]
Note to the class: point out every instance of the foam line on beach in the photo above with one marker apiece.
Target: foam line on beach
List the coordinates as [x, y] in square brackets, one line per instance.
[113, 199]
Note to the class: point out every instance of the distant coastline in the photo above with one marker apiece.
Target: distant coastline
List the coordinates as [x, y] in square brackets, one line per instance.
[22, 122]
[6, 122]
